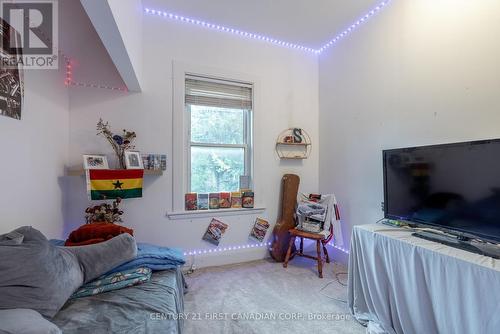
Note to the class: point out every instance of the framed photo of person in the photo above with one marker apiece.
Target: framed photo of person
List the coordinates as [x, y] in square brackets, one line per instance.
[133, 160]
[95, 161]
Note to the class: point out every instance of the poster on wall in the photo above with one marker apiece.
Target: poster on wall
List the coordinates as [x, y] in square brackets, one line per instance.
[11, 77]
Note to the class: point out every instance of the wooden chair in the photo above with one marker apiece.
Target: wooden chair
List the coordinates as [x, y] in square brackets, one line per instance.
[321, 240]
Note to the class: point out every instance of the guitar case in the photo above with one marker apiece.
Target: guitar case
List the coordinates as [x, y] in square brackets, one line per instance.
[286, 221]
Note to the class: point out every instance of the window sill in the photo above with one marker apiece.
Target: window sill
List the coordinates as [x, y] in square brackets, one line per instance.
[213, 213]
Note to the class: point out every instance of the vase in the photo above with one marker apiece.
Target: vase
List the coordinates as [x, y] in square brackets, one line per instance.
[121, 160]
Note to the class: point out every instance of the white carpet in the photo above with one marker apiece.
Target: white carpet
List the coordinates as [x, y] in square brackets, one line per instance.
[263, 297]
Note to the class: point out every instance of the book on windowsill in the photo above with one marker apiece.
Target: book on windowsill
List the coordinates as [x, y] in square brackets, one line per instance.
[213, 200]
[236, 200]
[191, 201]
[202, 201]
[225, 200]
[247, 199]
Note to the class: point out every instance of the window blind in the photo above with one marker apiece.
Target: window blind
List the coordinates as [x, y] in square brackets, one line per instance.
[218, 93]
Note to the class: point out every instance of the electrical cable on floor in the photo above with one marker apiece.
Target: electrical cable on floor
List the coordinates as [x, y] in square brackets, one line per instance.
[324, 294]
[191, 267]
[337, 280]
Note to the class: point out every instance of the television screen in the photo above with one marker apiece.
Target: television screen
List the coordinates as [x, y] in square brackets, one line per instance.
[452, 186]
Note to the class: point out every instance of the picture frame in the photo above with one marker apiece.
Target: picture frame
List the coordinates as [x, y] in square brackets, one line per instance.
[154, 161]
[133, 160]
[95, 161]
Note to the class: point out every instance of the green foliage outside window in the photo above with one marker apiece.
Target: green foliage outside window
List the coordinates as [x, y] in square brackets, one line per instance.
[216, 169]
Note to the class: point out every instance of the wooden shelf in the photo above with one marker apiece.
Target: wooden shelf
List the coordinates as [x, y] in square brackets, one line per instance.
[287, 148]
[81, 172]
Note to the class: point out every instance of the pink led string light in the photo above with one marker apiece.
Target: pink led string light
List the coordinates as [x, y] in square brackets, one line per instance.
[70, 82]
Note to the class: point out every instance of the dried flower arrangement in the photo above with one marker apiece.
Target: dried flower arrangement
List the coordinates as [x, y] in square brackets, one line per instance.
[119, 143]
[104, 212]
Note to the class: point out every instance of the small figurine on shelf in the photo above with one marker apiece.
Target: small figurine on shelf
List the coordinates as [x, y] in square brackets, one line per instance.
[119, 143]
[104, 213]
[297, 135]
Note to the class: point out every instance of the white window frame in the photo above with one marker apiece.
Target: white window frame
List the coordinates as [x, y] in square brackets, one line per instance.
[180, 118]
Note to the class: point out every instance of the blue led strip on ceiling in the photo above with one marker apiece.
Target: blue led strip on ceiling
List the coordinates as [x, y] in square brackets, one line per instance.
[267, 39]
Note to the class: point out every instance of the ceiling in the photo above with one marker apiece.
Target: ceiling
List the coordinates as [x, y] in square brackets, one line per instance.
[309, 23]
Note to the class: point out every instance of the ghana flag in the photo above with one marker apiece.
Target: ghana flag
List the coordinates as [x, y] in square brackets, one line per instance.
[113, 183]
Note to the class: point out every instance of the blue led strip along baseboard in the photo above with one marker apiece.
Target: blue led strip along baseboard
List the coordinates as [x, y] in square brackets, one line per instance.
[271, 40]
[223, 249]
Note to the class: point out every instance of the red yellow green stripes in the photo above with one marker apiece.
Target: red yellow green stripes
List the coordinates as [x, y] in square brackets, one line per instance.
[112, 194]
[118, 183]
[108, 174]
[111, 184]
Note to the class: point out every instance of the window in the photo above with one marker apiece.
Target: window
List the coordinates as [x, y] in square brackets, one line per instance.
[219, 133]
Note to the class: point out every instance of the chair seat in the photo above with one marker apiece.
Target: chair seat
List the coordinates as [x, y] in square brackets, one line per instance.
[320, 239]
[308, 235]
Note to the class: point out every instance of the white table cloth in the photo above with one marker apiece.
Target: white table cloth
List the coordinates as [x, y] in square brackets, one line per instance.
[405, 284]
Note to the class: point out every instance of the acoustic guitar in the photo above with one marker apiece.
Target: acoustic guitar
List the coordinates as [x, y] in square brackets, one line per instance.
[286, 221]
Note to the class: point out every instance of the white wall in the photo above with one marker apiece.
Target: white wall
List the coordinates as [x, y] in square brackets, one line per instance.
[288, 96]
[34, 151]
[420, 72]
[128, 18]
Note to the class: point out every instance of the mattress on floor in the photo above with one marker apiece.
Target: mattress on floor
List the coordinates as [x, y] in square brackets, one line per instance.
[151, 307]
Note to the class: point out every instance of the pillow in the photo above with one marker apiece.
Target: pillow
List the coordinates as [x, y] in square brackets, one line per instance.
[38, 275]
[114, 281]
[94, 233]
[26, 322]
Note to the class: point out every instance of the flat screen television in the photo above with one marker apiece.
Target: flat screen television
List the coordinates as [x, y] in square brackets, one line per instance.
[453, 187]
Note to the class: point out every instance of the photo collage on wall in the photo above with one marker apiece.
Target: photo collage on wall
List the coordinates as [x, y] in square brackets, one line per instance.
[11, 79]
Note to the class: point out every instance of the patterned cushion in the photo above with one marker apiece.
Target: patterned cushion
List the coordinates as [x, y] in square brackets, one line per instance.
[114, 281]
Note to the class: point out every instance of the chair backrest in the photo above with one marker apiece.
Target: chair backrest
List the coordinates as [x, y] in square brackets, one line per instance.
[327, 200]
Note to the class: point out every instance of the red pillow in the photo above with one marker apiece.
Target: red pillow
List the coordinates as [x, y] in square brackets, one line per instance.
[94, 233]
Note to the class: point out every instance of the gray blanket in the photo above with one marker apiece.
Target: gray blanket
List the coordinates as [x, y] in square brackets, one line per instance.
[151, 307]
[34, 274]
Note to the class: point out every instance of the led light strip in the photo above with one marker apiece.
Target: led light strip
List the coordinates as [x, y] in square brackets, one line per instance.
[218, 27]
[227, 248]
[355, 25]
[271, 40]
[70, 82]
[247, 246]
[339, 248]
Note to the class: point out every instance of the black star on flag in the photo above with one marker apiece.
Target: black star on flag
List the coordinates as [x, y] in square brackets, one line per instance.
[118, 184]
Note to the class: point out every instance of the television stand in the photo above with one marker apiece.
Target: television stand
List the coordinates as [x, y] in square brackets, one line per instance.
[452, 241]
